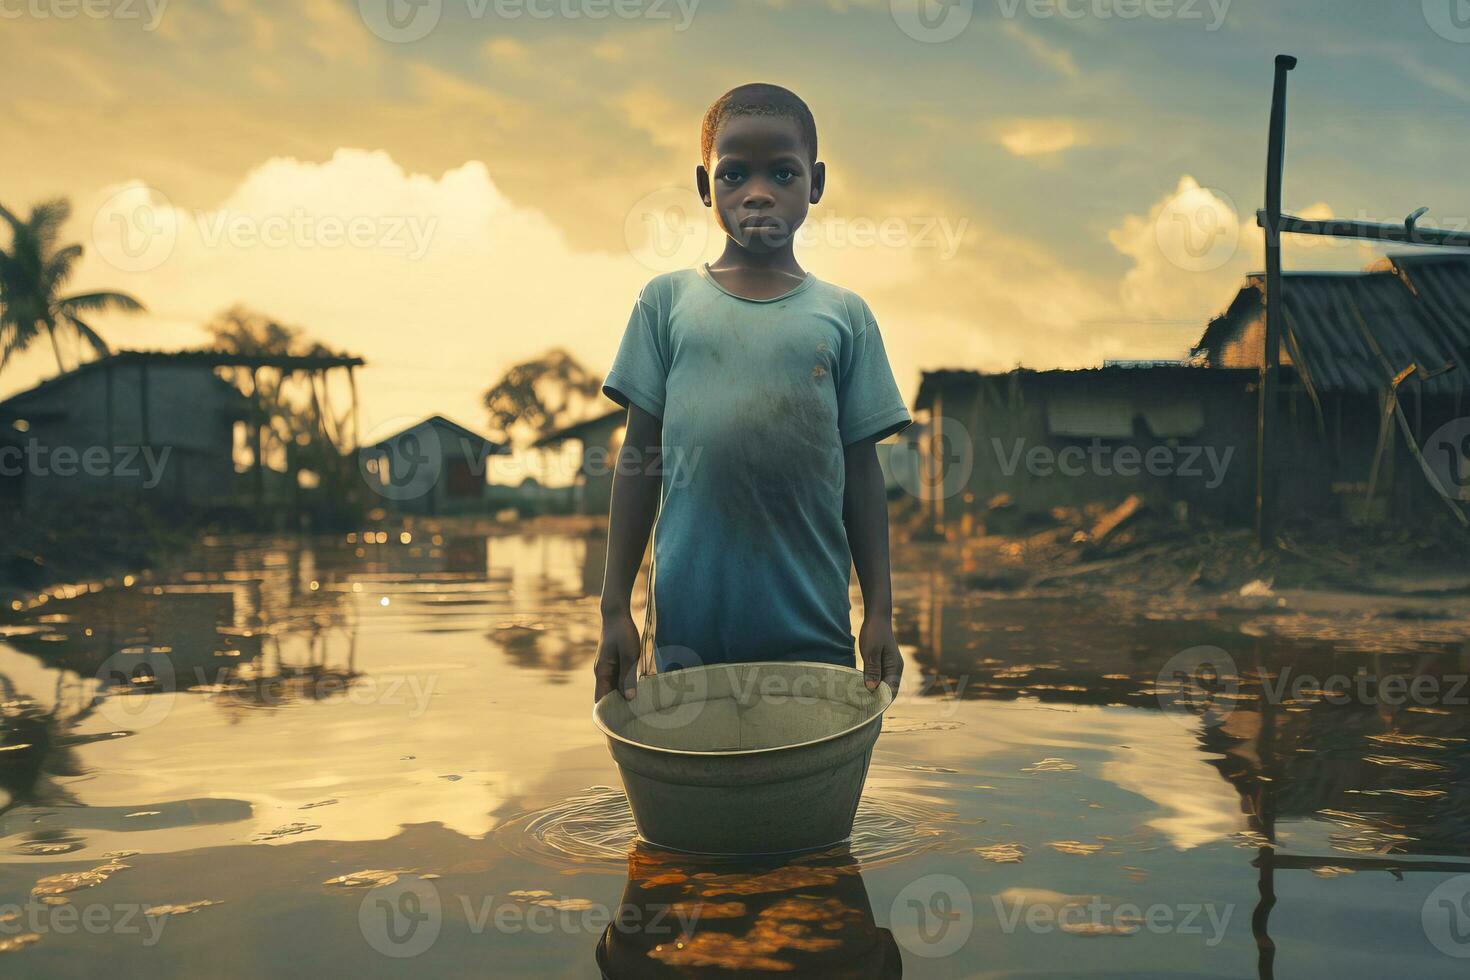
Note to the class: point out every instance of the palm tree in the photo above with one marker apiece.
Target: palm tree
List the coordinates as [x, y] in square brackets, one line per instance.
[33, 271]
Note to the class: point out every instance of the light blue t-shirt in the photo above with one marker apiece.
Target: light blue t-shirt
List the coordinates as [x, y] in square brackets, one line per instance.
[758, 399]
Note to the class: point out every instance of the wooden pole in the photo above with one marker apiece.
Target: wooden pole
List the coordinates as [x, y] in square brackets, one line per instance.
[147, 432]
[259, 441]
[356, 432]
[1271, 361]
[1407, 233]
[111, 430]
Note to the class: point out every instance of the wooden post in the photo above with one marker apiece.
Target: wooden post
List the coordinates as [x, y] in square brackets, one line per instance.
[147, 435]
[936, 460]
[1271, 360]
[259, 441]
[356, 432]
[107, 386]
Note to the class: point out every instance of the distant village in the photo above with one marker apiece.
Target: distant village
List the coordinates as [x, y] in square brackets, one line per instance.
[248, 431]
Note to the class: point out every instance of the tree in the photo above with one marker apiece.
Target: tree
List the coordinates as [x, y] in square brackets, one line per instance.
[292, 426]
[543, 393]
[33, 271]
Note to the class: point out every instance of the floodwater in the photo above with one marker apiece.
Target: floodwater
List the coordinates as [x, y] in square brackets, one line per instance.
[373, 756]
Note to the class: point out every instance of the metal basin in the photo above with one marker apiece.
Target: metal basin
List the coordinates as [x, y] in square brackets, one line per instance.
[753, 758]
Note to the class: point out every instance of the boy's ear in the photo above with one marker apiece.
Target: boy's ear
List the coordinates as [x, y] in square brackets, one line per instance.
[819, 181]
[701, 182]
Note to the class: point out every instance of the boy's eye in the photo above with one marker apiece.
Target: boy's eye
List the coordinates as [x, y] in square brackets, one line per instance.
[785, 175]
[731, 177]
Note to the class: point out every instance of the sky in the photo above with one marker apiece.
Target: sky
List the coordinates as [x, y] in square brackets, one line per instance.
[449, 187]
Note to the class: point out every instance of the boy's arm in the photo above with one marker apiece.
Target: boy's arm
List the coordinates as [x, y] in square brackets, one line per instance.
[865, 514]
[635, 493]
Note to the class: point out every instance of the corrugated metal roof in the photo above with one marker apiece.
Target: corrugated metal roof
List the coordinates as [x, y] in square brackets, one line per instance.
[489, 446]
[1356, 331]
[190, 358]
[1442, 282]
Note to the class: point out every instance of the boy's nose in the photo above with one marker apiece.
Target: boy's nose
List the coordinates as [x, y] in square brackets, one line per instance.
[757, 197]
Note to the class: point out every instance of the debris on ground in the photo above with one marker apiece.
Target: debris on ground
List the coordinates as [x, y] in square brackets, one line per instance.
[1158, 550]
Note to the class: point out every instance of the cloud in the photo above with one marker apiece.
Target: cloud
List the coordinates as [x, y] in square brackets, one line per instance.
[441, 283]
[1041, 137]
[1188, 252]
[1059, 60]
[506, 50]
[1194, 247]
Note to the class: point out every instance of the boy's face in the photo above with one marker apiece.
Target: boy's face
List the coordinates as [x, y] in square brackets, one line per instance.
[761, 180]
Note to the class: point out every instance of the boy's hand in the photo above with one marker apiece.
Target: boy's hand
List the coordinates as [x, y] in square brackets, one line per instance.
[617, 655]
[879, 651]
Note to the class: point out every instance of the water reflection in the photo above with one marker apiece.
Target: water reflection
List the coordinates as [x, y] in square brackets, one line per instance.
[1374, 741]
[682, 916]
[1348, 746]
[320, 696]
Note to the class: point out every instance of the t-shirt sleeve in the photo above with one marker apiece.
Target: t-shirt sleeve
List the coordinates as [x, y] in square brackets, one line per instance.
[640, 368]
[869, 406]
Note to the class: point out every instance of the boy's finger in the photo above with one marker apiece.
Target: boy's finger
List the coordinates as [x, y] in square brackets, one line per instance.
[872, 670]
[629, 665]
[892, 669]
[605, 672]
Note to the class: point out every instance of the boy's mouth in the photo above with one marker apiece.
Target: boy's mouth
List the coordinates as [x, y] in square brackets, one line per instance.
[760, 223]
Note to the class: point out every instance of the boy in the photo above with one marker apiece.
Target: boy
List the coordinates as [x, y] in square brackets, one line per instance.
[755, 395]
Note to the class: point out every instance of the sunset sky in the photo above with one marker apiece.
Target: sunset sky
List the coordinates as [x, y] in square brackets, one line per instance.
[1052, 185]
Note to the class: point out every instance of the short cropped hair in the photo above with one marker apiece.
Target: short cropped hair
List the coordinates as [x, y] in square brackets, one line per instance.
[757, 99]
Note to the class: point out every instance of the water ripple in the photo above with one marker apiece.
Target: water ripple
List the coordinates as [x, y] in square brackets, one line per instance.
[594, 830]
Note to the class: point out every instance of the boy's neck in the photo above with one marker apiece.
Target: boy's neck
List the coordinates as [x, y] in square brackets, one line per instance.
[757, 275]
[741, 261]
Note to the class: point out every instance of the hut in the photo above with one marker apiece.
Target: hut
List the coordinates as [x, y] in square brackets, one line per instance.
[1374, 370]
[601, 438]
[150, 424]
[433, 467]
[1037, 440]
[1374, 389]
